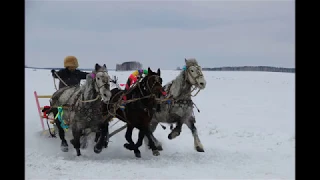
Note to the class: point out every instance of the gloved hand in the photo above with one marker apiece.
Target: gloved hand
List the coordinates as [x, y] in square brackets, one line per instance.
[53, 73]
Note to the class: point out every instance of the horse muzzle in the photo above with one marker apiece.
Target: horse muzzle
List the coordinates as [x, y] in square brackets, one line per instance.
[201, 85]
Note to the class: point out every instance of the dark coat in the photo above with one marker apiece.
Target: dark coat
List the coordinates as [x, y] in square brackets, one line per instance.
[71, 78]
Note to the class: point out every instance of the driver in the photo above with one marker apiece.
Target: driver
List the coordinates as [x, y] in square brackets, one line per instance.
[70, 74]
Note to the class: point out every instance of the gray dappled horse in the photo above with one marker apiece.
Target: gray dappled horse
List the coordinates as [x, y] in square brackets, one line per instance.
[180, 110]
[82, 106]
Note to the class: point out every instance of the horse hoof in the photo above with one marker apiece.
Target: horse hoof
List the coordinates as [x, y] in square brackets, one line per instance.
[199, 149]
[97, 150]
[105, 144]
[78, 152]
[137, 154]
[64, 148]
[128, 146]
[156, 153]
[173, 134]
[159, 148]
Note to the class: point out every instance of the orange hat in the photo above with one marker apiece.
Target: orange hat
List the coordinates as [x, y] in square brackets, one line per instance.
[71, 61]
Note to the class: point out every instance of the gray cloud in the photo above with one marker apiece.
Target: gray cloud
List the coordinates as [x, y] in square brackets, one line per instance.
[161, 34]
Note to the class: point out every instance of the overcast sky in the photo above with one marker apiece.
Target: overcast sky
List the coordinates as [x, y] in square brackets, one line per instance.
[160, 33]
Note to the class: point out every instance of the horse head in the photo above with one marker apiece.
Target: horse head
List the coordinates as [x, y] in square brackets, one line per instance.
[152, 83]
[102, 82]
[194, 73]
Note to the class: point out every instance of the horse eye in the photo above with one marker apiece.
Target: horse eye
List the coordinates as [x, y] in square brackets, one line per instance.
[98, 78]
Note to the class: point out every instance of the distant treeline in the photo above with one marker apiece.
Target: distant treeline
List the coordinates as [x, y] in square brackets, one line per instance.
[252, 68]
[82, 69]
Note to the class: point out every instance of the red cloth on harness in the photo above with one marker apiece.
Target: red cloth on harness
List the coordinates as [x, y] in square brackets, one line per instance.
[45, 112]
[163, 92]
[132, 80]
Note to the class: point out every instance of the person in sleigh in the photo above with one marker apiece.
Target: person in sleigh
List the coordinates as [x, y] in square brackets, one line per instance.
[70, 75]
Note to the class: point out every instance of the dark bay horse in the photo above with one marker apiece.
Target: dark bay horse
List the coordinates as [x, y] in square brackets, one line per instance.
[137, 113]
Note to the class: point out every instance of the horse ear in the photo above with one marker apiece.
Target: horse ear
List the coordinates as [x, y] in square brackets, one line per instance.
[105, 66]
[97, 67]
[185, 60]
[149, 70]
[158, 72]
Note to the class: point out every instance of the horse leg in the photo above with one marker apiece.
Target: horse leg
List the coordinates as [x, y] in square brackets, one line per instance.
[97, 136]
[152, 145]
[76, 140]
[130, 145]
[197, 143]
[84, 141]
[64, 144]
[101, 141]
[137, 152]
[176, 131]
[153, 127]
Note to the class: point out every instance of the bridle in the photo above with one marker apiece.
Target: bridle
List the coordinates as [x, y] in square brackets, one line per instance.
[105, 85]
[149, 87]
[199, 74]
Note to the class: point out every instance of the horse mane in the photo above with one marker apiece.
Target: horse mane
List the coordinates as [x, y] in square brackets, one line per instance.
[174, 87]
[191, 62]
[139, 87]
[179, 86]
[87, 88]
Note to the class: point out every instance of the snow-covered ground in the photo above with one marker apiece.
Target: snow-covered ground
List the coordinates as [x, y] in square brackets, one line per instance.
[246, 124]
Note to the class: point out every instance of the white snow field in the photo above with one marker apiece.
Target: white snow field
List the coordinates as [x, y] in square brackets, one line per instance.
[246, 125]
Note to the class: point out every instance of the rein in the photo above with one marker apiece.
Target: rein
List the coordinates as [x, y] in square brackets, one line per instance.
[120, 103]
[54, 81]
[199, 74]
